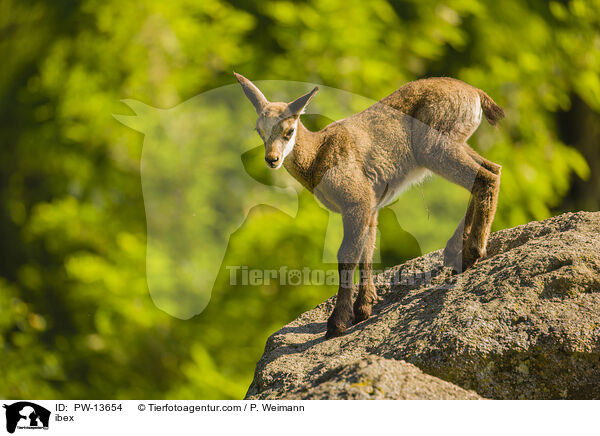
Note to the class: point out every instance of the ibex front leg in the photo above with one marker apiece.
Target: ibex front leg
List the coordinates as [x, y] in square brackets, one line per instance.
[366, 290]
[356, 226]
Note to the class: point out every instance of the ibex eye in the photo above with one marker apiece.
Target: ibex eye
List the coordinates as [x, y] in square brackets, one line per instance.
[289, 133]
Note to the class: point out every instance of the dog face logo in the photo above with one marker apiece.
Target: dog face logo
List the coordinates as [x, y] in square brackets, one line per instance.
[198, 189]
[26, 415]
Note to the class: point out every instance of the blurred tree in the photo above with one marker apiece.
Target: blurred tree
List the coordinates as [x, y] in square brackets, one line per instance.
[76, 319]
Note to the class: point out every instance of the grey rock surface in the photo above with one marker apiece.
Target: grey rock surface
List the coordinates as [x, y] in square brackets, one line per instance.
[377, 378]
[524, 323]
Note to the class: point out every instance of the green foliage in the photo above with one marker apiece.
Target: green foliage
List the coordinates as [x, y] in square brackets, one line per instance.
[76, 317]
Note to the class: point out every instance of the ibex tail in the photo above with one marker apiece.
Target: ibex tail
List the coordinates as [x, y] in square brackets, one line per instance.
[493, 113]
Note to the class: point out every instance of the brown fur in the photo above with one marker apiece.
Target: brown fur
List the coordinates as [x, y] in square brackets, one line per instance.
[359, 164]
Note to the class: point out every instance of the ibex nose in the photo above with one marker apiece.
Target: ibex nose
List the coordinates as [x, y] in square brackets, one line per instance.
[272, 160]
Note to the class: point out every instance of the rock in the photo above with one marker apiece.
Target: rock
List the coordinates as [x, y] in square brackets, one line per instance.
[524, 323]
[377, 378]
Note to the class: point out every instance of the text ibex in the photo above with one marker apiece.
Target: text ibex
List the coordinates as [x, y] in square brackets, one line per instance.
[359, 164]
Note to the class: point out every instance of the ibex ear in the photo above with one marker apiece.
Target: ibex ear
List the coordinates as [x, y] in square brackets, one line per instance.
[296, 107]
[252, 92]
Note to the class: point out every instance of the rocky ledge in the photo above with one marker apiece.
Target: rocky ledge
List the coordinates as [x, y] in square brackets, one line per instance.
[524, 323]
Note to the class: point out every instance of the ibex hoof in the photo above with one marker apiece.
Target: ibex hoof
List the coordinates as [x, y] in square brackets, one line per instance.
[461, 261]
[334, 332]
[362, 311]
[337, 324]
[468, 262]
[471, 256]
[464, 260]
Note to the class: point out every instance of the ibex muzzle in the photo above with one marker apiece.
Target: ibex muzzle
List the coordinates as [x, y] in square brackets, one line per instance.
[359, 164]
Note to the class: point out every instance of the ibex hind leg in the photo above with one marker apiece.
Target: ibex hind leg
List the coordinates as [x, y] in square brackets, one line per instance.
[487, 164]
[454, 246]
[455, 163]
[485, 196]
[490, 188]
[461, 234]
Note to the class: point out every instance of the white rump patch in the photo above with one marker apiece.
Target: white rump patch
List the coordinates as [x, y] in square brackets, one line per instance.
[478, 112]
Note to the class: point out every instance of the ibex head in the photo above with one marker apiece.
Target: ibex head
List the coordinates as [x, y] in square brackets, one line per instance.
[277, 122]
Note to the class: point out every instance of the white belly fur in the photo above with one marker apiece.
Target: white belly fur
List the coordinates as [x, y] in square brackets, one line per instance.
[396, 187]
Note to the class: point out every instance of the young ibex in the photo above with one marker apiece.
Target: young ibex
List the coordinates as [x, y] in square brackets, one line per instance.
[359, 164]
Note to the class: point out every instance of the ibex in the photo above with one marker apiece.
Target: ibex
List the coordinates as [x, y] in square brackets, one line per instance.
[359, 164]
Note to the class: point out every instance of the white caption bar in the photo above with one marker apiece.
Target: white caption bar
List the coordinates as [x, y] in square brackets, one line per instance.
[23, 417]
